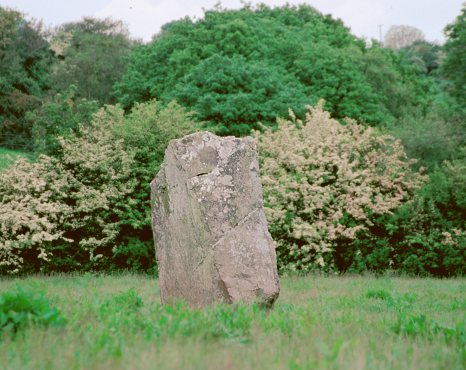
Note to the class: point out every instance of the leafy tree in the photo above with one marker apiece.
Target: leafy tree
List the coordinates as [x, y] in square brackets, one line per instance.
[233, 95]
[201, 64]
[92, 56]
[424, 54]
[336, 76]
[57, 117]
[428, 233]
[400, 85]
[454, 65]
[431, 138]
[24, 63]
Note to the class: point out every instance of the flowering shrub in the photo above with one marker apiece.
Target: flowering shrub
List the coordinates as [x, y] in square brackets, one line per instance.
[63, 212]
[31, 212]
[326, 183]
[88, 206]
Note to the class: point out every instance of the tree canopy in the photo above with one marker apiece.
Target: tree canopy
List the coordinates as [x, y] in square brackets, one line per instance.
[455, 60]
[25, 58]
[237, 67]
[92, 56]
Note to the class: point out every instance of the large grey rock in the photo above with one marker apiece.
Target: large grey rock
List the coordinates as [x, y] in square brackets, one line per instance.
[210, 231]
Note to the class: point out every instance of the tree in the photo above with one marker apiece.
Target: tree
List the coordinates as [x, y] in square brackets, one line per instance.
[401, 85]
[92, 56]
[233, 95]
[429, 232]
[398, 37]
[228, 66]
[336, 75]
[424, 54]
[454, 64]
[24, 64]
[59, 116]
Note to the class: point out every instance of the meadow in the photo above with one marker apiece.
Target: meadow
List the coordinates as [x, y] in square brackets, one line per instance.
[319, 322]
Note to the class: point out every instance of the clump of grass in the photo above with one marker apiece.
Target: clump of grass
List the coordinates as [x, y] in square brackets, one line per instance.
[379, 294]
[418, 325]
[21, 308]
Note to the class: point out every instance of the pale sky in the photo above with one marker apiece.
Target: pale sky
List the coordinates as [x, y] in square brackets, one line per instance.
[145, 17]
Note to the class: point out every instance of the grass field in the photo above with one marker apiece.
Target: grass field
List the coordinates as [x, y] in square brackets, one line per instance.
[319, 322]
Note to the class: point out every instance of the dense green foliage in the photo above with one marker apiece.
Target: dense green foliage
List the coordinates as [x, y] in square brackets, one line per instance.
[424, 54]
[20, 308]
[233, 95]
[434, 137]
[455, 49]
[428, 235]
[92, 55]
[235, 68]
[317, 323]
[57, 117]
[25, 59]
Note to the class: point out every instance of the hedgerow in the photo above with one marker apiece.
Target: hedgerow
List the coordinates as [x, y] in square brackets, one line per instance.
[326, 183]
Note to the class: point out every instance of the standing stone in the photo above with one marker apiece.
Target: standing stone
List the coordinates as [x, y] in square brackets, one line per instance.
[210, 232]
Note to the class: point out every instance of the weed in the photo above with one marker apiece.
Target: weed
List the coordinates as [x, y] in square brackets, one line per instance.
[379, 294]
[421, 326]
[20, 308]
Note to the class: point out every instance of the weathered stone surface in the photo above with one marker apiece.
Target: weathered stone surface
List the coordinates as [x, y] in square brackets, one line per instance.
[210, 231]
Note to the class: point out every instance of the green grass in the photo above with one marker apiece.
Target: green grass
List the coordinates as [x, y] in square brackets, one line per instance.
[117, 322]
[8, 156]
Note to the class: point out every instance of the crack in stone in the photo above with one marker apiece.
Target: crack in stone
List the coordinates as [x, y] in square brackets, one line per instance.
[242, 221]
[201, 174]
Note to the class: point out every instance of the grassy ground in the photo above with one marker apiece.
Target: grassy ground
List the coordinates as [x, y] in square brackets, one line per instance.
[117, 322]
[7, 156]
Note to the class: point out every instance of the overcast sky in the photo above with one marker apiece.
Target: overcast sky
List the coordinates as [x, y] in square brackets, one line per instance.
[145, 17]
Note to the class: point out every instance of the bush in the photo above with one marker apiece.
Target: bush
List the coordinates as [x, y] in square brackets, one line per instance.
[62, 213]
[146, 132]
[428, 233]
[88, 207]
[20, 308]
[325, 184]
